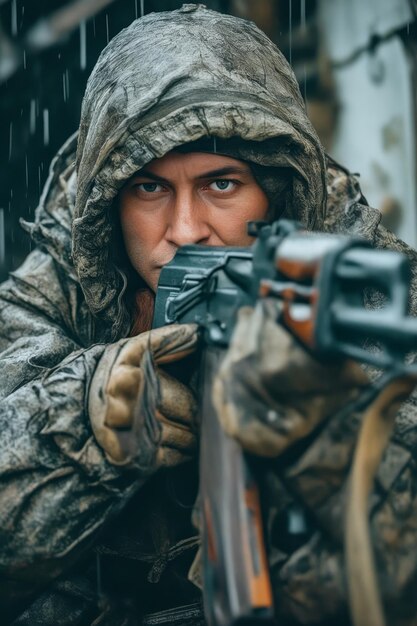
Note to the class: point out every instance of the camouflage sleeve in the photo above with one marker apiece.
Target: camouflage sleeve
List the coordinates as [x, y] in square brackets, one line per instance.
[57, 488]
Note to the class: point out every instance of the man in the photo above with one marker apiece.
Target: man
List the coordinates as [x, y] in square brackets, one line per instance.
[192, 123]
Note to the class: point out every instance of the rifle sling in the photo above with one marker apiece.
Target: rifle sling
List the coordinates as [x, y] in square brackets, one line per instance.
[377, 426]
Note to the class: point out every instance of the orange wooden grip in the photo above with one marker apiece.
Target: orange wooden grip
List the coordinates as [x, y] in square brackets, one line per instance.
[260, 584]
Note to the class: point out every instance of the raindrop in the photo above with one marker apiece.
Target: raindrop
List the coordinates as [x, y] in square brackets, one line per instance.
[136, 9]
[2, 239]
[39, 180]
[10, 140]
[45, 127]
[64, 86]
[26, 171]
[303, 14]
[142, 8]
[24, 59]
[107, 28]
[290, 27]
[14, 17]
[83, 45]
[32, 117]
[67, 89]
[94, 26]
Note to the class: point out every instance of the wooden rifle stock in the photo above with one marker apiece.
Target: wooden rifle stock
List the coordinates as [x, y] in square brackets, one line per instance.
[237, 587]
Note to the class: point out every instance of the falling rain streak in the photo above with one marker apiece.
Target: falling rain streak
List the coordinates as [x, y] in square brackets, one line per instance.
[142, 8]
[303, 14]
[14, 18]
[2, 240]
[45, 127]
[107, 28]
[83, 45]
[65, 85]
[32, 117]
[10, 140]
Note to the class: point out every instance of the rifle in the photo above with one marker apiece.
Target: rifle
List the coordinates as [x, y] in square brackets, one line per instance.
[320, 281]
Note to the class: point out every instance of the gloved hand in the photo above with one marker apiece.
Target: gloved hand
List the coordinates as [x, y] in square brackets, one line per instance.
[141, 416]
[270, 392]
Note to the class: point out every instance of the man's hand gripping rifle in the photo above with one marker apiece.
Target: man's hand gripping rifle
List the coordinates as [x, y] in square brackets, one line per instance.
[319, 280]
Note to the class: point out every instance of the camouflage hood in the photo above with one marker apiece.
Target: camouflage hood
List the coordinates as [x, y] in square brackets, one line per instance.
[169, 79]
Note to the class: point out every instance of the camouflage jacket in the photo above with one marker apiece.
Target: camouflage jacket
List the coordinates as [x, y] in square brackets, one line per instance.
[84, 541]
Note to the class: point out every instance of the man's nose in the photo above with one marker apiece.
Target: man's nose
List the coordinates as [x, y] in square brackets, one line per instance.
[188, 221]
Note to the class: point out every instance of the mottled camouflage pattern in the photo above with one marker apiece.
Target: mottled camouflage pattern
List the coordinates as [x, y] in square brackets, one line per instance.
[168, 79]
[310, 585]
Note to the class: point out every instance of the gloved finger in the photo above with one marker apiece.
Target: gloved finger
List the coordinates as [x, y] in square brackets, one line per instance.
[176, 436]
[254, 434]
[179, 343]
[176, 401]
[112, 444]
[169, 457]
[122, 393]
[124, 381]
[169, 343]
[119, 413]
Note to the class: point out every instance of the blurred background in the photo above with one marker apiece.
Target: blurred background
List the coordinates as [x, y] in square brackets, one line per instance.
[355, 61]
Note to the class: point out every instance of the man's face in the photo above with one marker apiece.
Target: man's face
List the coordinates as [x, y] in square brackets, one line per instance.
[192, 198]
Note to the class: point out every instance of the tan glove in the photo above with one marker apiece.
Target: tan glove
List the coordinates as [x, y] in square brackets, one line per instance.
[140, 415]
[270, 392]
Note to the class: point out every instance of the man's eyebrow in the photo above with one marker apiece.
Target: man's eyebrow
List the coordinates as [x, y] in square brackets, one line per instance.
[223, 171]
[151, 175]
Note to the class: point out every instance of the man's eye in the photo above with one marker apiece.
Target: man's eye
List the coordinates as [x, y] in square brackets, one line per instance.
[222, 185]
[150, 187]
